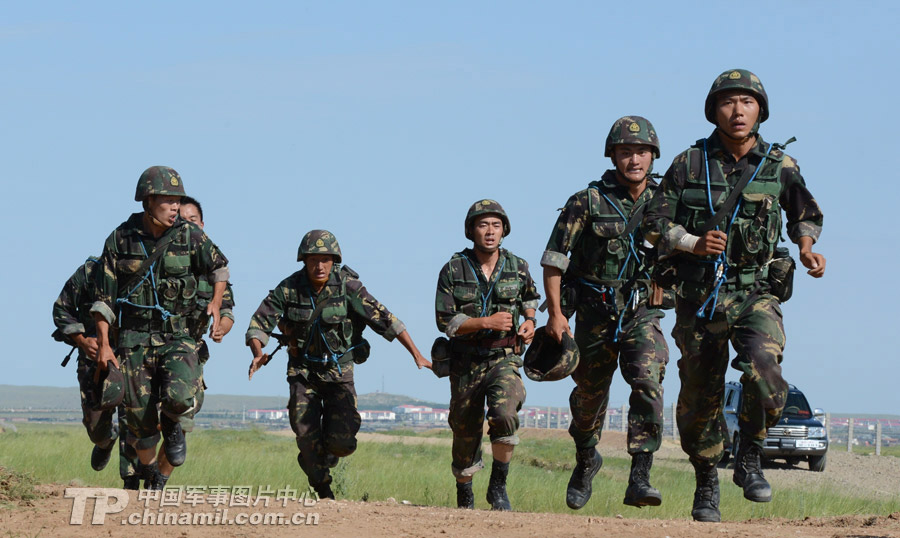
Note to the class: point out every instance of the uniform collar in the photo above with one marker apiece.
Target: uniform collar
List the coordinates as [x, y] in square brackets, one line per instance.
[716, 148]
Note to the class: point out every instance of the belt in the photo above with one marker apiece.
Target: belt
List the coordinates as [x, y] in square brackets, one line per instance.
[172, 325]
[482, 346]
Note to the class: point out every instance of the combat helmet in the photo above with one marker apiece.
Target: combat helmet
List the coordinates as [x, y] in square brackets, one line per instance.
[549, 360]
[632, 130]
[738, 79]
[486, 207]
[319, 242]
[160, 180]
[110, 389]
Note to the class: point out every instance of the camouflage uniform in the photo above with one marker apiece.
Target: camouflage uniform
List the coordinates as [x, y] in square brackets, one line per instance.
[154, 317]
[71, 315]
[322, 352]
[484, 366]
[746, 312]
[601, 259]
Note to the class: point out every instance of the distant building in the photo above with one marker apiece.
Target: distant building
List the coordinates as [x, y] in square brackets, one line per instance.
[378, 415]
[267, 414]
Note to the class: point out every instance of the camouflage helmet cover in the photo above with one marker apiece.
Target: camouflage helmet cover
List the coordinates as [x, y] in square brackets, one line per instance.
[158, 180]
[486, 207]
[319, 242]
[737, 79]
[548, 360]
[632, 130]
[110, 389]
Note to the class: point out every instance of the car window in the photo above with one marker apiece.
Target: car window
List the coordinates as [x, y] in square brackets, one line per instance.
[797, 405]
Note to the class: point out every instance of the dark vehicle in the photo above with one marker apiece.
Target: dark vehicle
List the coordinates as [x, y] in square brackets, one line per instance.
[799, 435]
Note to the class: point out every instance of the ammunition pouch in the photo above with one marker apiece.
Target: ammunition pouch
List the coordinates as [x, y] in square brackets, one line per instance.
[781, 274]
[360, 351]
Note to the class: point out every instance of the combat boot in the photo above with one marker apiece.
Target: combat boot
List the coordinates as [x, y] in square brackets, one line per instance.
[465, 498]
[706, 496]
[496, 493]
[132, 482]
[588, 462]
[324, 491]
[100, 456]
[640, 492]
[748, 473]
[173, 440]
[153, 479]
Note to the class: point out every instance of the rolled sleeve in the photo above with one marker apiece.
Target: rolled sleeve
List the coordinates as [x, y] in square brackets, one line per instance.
[219, 275]
[396, 328]
[75, 328]
[555, 259]
[104, 310]
[259, 335]
[454, 324]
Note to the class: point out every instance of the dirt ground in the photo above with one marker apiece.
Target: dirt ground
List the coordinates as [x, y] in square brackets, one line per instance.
[50, 516]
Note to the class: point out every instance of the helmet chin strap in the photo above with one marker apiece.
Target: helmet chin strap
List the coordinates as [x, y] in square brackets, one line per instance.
[625, 178]
[753, 133]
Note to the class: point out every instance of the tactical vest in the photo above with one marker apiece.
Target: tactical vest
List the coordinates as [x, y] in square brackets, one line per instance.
[337, 327]
[176, 285]
[467, 291]
[753, 236]
[199, 320]
[603, 242]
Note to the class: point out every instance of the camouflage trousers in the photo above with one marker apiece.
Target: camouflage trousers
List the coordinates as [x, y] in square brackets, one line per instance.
[752, 321]
[128, 458]
[642, 354]
[98, 423]
[169, 375]
[475, 380]
[323, 415]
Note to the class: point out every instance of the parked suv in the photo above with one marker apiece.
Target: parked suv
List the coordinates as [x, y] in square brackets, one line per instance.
[799, 435]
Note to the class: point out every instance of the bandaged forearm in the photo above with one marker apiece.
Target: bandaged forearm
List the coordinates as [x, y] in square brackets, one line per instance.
[687, 242]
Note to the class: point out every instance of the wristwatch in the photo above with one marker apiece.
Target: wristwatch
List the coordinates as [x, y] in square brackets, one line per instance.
[532, 320]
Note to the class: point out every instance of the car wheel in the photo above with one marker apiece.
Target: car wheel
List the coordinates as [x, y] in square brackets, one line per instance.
[817, 463]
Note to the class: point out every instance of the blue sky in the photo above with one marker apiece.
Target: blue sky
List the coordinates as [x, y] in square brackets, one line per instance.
[383, 122]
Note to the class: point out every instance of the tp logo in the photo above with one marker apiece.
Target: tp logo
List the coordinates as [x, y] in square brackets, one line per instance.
[102, 504]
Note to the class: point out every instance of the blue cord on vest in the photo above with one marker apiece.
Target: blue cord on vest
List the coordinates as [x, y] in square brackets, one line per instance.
[332, 356]
[632, 252]
[721, 262]
[485, 296]
[165, 314]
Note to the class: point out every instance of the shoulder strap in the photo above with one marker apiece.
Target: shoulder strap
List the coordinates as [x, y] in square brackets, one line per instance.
[731, 201]
[635, 219]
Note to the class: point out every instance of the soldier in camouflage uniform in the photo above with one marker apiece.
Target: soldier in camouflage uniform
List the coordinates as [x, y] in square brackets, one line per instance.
[322, 311]
[615, 324]
[146, 288]
[723, 281]
[75, 326]
[481, 294]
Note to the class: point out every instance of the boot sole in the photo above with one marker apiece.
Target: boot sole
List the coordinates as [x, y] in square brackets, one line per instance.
[754, 498]
[643, 501]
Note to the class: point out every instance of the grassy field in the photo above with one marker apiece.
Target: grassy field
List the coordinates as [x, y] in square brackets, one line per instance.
[417, 473]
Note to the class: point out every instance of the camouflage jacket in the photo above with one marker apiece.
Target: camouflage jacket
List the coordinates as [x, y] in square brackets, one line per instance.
[463, 292]
[591, 227]
[200, 324]
[348, 309]
[171, 285]
[72, 309]
[682, 205]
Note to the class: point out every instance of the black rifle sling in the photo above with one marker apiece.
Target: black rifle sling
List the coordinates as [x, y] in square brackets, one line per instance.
[730, 202]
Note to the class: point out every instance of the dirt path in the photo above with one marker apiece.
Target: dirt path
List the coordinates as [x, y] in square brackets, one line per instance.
[50, 517]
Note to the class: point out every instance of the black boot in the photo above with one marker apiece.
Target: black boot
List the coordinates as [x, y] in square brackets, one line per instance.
[748, 473]
[173, 440]
[100, 456]
[640, 492]
[159, 481]
[588, 462]
[496, 493]
[324, 490]
[132, 482]
[464, 496]
[153, 479]
[706, 496]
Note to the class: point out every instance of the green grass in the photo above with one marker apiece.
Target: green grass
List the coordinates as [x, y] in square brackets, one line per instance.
[417, 473]
[870, 450]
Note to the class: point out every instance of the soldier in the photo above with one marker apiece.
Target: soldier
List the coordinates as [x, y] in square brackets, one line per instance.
[322, 311]
[481, 294]
[147, 287]
[616, 324]
[719, 208]
[75, 325]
